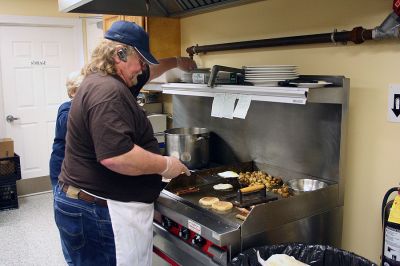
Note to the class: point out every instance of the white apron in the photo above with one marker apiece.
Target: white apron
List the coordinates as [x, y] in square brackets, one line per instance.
[132, 224]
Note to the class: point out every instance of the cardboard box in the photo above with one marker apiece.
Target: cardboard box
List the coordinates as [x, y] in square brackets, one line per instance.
[6, 148]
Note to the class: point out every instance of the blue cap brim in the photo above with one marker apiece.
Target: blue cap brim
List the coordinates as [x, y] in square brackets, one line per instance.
[147, 56]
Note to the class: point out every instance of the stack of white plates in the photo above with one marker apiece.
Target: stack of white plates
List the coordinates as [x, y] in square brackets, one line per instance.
[269, 75]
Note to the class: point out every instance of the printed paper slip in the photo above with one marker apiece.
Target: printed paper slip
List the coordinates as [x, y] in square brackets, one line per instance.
[228, 106]
[242, 106]
[218, 104]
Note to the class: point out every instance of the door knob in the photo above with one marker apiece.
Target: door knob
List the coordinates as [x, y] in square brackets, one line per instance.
[11, 118]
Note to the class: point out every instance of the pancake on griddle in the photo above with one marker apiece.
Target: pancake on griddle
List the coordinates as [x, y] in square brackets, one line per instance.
[208, 201]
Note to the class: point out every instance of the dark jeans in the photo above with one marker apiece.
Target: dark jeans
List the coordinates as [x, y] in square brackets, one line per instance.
[63, 248]
[54, 182]
[85, 230]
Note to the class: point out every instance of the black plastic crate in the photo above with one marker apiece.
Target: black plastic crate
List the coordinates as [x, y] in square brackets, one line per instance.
[10, 169]
[8, 196]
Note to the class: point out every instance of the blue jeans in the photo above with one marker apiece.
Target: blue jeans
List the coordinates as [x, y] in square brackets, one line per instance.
[63, 248]
[85, 230]
[54, 182]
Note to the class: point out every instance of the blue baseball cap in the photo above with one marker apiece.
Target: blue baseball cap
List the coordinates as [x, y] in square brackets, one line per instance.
[133, 35]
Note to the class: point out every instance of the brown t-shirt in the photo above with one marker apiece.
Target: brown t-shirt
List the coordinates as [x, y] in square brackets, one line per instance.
[106, 121]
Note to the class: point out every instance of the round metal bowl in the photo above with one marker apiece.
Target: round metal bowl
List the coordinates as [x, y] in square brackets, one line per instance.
[306, 184]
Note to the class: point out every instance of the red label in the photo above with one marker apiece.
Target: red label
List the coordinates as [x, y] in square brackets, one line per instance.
[396, 5]
[195, 227]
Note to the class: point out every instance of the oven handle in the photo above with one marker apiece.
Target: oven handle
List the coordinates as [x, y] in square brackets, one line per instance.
[183, 246]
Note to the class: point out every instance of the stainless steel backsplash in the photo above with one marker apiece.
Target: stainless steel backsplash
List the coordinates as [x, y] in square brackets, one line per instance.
[285, 138]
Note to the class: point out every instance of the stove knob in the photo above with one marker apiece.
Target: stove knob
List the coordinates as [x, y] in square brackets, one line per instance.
[184, 233]
[198, 241]
[166, 223]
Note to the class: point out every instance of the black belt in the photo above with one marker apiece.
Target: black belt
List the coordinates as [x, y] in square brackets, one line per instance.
[73, 192]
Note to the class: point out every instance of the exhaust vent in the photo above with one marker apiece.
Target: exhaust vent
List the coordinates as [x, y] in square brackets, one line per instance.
[160, 8]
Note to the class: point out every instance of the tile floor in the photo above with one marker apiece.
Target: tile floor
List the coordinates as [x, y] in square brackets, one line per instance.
[29, 236]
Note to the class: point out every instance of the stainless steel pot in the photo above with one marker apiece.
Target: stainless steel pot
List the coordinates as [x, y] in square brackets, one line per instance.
[305, 185]
[190, 145]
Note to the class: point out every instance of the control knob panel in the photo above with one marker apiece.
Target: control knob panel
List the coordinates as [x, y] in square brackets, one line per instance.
[184, 233]
[198, 241]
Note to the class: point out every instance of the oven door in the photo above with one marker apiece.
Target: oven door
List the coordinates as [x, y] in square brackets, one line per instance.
[174, 251]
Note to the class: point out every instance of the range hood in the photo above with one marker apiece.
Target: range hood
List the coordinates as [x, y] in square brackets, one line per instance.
[160, 8]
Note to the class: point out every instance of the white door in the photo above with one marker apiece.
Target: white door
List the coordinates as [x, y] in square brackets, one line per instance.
[94, 34]
[34, 64]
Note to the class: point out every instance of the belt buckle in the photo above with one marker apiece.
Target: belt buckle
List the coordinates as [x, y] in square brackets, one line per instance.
[72, 192]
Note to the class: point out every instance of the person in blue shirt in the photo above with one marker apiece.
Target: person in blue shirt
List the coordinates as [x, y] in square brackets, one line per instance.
[57, 156]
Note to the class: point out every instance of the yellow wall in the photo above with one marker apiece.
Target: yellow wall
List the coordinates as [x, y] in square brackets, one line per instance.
[46, 8]
[373, 142]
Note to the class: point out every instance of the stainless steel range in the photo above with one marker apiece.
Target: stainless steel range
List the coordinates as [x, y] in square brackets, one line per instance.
[284, 140]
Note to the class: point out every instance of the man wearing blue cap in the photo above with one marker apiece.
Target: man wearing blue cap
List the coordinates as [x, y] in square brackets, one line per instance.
[111, 174]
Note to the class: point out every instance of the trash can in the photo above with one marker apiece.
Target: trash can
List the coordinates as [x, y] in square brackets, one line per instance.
[315, 255]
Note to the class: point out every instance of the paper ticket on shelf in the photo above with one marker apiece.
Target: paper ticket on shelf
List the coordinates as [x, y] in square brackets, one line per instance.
[228, 105]
[242, 106]
[217, 105]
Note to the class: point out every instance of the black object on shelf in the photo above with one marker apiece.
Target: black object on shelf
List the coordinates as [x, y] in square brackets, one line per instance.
[217, 68]
[316, 255]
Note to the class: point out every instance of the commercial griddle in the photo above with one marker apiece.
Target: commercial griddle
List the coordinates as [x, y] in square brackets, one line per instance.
[189, 232]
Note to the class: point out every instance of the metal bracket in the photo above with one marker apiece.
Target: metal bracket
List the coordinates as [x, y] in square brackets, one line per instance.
[333, 37]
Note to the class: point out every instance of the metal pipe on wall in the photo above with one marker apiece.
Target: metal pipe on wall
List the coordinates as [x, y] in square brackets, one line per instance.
[389, 29]
[357, 35]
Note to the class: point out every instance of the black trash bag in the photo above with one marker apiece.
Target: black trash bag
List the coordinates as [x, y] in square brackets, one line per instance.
[315, 255]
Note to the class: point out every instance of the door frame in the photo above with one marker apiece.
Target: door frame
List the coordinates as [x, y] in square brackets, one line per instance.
[33, 21]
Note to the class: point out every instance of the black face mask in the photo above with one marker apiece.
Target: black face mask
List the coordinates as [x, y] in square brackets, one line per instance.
[141, 81]
[135, 90]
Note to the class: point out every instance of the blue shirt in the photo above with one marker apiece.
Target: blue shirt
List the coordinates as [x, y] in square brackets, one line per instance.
[57, 155]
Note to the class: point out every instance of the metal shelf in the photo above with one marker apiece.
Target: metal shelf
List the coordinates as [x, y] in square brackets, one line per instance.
[291, 95]
[152, 86]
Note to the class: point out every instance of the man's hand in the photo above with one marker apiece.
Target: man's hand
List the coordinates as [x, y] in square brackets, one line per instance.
[174, 168]
[185, 64]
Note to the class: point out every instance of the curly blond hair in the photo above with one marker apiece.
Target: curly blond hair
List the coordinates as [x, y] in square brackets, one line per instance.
[102, 59]
[74, 80]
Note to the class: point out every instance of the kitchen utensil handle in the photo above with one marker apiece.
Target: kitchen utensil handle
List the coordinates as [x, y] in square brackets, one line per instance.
[200, 139]
[251, 188]
[217, 68]
[241, 217]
